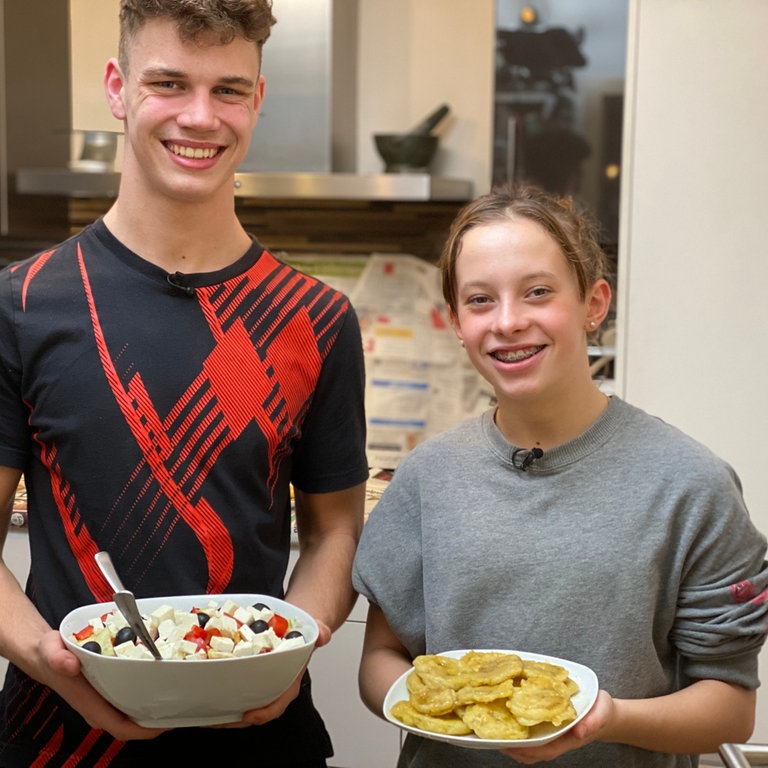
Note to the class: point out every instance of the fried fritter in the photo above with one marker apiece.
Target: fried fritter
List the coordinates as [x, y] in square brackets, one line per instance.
[451, 725]
[428, 697]
[478, 694]
[494, 695]
[492, 721]
[533, 668]
[474, 668]
[541, 699]
[441, 671]
[491, 667]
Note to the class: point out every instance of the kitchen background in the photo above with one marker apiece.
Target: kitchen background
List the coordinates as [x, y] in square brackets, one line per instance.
[692, 320]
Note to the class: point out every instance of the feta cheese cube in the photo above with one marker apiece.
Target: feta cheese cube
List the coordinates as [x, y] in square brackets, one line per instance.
[222, 644]
[244, 648]
[229, 606]
[264, 640]
[170, 631]
[131, 651]
[243, 615]
[225, 624]
[291, 642]
[185, 620]
[161, 614]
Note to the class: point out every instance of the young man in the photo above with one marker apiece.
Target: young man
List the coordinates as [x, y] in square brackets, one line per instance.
[163, 381]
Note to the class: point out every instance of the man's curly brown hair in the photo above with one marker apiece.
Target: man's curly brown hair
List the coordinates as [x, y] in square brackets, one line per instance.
[228, 19]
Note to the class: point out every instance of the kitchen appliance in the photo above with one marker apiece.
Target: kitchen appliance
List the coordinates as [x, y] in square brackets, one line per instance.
[98, 151]
[308, 120]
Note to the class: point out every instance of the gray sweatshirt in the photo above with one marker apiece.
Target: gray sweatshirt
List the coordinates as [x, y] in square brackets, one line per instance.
[628, 549]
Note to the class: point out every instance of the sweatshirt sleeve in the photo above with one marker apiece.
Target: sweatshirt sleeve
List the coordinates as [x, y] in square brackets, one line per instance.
[388, 564]
[722, 615]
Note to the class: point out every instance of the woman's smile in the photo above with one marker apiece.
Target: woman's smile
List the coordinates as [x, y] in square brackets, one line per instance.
[517, 355]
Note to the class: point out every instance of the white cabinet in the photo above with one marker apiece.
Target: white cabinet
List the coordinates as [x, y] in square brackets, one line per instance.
[360, 738]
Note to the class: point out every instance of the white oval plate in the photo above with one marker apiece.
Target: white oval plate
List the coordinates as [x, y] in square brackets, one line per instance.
[583, 676]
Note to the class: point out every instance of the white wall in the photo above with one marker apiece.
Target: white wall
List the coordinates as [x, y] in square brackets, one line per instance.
[93, 40]
[693, 315]
[415, 56]
[94, 36]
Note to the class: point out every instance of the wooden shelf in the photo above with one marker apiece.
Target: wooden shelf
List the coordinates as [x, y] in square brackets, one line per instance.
[326, 226]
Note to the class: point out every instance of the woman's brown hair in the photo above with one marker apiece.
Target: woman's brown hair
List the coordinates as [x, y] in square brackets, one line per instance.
[573, 230]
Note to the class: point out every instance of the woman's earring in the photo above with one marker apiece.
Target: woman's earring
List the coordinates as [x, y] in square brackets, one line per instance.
[592, 324]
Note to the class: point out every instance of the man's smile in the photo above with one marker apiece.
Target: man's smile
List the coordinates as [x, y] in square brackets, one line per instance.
[193, 153]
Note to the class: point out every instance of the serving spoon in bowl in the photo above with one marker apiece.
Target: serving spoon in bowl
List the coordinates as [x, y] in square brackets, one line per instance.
[126, 602]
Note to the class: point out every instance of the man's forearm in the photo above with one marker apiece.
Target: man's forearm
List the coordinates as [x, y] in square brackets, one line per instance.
[321, 583]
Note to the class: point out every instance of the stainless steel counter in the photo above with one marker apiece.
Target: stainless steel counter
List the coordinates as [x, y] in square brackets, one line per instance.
[338, 186]
[54, 181]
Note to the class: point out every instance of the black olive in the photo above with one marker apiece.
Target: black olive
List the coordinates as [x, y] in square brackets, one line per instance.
[92, 646]
[293, 633]
[258, 626]
[261, 607]
[125, 635]
[202, 618]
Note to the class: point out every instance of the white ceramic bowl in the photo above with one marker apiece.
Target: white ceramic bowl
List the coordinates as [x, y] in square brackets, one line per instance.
[175, 692]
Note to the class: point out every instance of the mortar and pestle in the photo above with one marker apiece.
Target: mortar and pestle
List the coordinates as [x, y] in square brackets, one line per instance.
[411, 152]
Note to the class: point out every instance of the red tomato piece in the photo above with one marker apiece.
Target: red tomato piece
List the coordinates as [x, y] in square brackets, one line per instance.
[195, 632]
[202, 644]
[84, 632]
[279, 625]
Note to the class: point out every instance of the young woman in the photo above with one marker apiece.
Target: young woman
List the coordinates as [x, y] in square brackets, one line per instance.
[563, 521]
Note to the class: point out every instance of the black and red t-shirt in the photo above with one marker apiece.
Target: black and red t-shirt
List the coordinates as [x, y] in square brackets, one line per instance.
[164, 425]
